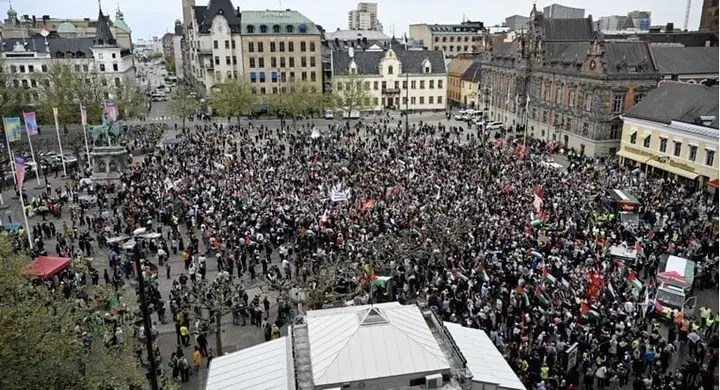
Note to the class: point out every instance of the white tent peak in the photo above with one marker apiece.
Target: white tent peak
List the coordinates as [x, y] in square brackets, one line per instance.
[372, 317]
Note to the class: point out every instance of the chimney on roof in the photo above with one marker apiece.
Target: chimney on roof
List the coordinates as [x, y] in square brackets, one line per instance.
[670, 27]
[34, 21]
[364, 40]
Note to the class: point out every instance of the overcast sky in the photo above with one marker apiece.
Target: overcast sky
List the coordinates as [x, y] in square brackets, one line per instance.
[158, 19]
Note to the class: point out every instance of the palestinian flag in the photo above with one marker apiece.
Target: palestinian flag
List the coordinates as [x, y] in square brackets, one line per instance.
[483, 274]
[634, 281]
[379, 281]
[549, 278]
[589, 312]
[540, 296]
[521, 292]
[369, 205]
[564, 284]
[538, 199]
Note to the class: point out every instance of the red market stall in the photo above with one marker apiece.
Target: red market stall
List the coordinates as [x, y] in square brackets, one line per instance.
[46, 266]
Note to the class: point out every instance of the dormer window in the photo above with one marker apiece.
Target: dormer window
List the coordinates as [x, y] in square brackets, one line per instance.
[276, 29]
[390, 70]
[263, 29]
[289, 29]
[353, 70]
[427, 69]
[250, 29]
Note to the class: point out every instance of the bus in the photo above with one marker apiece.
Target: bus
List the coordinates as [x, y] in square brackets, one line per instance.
[170, 80]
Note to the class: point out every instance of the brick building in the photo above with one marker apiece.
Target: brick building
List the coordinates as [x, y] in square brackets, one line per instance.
[566, 83]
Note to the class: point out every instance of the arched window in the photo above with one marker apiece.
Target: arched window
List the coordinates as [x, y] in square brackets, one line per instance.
[289, 29]
[691, 81]
[276, 29]
[263, 29]
[250, 29]
[390, 70]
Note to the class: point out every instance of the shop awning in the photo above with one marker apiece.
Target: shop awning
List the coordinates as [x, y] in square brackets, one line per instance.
[46, 266]
[714, 183]
[633, 156]
[671, 169]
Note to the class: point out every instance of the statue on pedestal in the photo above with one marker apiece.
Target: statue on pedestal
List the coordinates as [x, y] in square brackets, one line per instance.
[109, 133]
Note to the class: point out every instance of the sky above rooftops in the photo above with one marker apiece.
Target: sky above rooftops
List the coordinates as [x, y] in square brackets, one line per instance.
[395, 15]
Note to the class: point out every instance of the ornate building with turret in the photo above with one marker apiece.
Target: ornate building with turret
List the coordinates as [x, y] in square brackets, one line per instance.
[19, 26]
[566, 82]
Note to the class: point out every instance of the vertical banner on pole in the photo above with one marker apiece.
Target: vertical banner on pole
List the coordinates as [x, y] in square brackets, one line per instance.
[111, 109]
[19, 170]
[83, 115]
[84, 121]
[30, 123]
[10, 156]
[36, 167]
[13, 129]
[57, 131]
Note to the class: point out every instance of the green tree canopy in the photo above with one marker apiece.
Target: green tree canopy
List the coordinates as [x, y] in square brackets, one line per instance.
[300, 98]
[234, 98]
[182, 103]
[43, 336]
[131, 99]
[353, 96]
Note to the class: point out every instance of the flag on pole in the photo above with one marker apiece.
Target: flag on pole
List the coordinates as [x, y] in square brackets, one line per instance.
[634, 281]
[549, 278]
[55, 114]
[31, 125]
[540, 295]
[12, 128]
[527, 102]
[83, 115]
[19, 170]
[589, 312]
[111, 109]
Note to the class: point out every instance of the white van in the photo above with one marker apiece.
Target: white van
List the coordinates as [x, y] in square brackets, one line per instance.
[459, 115]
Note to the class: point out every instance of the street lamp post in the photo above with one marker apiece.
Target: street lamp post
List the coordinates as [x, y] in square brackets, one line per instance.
[146, 316]
[407, 102]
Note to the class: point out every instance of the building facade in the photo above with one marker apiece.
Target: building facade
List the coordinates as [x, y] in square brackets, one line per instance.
[640, 19]
[214, 50]
[566, 84]
[452, 39]
[694, 65]
[516, 22]
[18, 27]
[469, 88]
[557, 11]
[394, 78]
[24, 59]
[674, 133]
[280, 47]
[456, 69]
[364, 17]
[168, 47]
[709, 16]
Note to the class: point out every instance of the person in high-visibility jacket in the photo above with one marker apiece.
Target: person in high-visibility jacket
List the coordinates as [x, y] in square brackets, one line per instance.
[544, 372]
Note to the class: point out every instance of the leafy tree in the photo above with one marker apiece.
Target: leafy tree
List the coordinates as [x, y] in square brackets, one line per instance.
[234, 98]
[131, 99]
[209, 302]
[354, 96]
[171, 67]
[58, 343]
[300, 99]
[182, 103]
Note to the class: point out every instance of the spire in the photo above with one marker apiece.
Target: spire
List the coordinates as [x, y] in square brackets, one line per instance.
[103, 35]
[118, 14]
[12, 14]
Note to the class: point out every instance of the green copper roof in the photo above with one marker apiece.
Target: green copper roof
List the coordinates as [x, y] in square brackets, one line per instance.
[297, 22]
[66, 28]
[119, 22]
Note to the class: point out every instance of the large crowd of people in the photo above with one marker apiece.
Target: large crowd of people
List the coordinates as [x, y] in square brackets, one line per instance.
[491, 235]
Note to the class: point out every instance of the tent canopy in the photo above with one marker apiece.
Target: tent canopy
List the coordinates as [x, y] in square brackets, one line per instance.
[47, 266]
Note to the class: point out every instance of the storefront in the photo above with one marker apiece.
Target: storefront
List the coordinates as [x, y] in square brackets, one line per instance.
[658, 165]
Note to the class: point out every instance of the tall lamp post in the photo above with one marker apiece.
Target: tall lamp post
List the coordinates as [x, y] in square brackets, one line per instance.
[407, 102]
[133, 245]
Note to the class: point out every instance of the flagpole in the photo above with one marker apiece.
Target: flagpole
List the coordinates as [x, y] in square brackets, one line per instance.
[27, 225]
[83, 119]
[32, 153]
[57, 131]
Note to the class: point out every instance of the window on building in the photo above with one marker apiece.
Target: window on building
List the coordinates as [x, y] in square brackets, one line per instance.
[588, 101]
[412, 84]
[545, 117]
[274, 77]
[282, 62]
[77, 68]
[439, 99]
[22, 68]
[422, 99]
[571, 98]
[261, 77]
[283, 77]
[251, 47]
[646, 141]
[422, 84]
[273, 62]
[431, 84]
[263, 30]
[232, 44]
[217, 60]
[430, 100]
[272, 47]
[292, 62]
[250, 29]
[412, 100]
[114, 55]
[292, 76]
[117, 81]
[375, 101]
[633, 138]
[303, 47]
[558, 95]
[384, 85]
[102, 67]
[115, 67]
[31, 68]
[281, 47]
[215, 44]
[340, 86]
[404, 84]
[303, 62]
[227, 44]
[251, 62]
[44, 68]
[234, 60]
[227, 60]
[312, 62]
[677, 149]
[291, 47]
[33, 83]
[614, 131]
[585, 129]
[303, 76]
[618, 103]
[375, 85]
[390, 70]
[692, 153]
[663, 145]
[276, 29]
[289, 29]
[260, 47]
[313, 77]
[709, 157]
[312, 46]
[261, 62]
[440, 84]
[638, 97]
[253, 77]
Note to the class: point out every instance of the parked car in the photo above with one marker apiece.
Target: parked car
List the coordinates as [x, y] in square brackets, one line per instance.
[329, 114]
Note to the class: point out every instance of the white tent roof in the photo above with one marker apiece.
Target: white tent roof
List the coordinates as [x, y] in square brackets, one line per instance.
[483, 359]
[359, 343]
[264, 366]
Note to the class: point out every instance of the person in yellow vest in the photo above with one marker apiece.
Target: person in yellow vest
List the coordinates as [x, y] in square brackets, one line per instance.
[704, 313]
[185, 335]
[544, 372]
[710, 325]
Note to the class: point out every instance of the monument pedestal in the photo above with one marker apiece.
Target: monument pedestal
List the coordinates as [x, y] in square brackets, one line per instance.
[108, 162]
